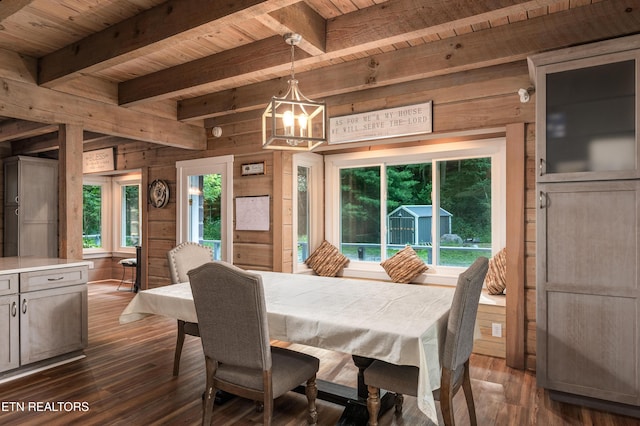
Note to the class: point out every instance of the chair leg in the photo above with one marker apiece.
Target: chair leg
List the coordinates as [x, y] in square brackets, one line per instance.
[311, 390]
[399, 401]
[210, 394]
[468, 395]
[373, 405]
[121, 279]
[446, 397]
[179, 344]
[268, 411]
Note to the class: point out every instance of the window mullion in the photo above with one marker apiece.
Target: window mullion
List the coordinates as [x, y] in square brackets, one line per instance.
[383, 211]
[435, 212]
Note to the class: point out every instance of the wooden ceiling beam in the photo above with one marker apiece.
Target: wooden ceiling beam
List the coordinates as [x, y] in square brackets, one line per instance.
[34, 103]
[8, 8]
[20, 129]
[35, 145]
[400, 21]
[299, 18]
[499, 45]
[373, 27]
[146, 32]
[50, 142]
[232, 67]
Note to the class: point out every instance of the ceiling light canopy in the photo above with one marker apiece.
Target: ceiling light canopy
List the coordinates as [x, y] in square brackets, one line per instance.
[293, 122]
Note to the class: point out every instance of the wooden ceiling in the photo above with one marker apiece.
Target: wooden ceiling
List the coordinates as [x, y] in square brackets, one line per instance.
[186, 63]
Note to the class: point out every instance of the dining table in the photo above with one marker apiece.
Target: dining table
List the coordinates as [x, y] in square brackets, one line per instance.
[403, 324]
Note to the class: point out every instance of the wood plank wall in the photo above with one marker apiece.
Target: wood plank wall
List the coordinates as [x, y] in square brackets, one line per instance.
[530, 247]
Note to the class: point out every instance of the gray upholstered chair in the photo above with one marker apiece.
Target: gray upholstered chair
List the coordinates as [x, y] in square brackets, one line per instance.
[232, 319]
[403, 379]
[182, 259]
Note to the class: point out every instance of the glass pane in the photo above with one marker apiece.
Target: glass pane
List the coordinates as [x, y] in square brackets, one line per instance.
[91, 216]
[409, 209]
[205, 212]
[130, 232]
[360, 213]
[303, 213]
[465, 213]
[591, 119]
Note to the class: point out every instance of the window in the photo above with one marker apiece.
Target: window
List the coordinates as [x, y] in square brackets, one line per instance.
[307, 197]
[445, 200]
[111, 214]
[127, 209]
[205, 188]
[94, 220]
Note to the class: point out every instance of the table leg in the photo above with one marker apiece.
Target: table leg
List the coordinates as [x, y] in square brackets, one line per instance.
[355, 412]
[354, 400]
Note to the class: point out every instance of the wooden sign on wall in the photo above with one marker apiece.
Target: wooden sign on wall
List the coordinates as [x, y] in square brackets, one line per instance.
[385, 123]
[100, 160]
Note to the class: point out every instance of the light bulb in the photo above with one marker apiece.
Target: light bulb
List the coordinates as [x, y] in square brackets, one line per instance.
[302, 120]
[288, 119]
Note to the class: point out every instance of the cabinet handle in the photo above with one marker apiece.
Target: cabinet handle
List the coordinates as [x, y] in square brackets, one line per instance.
[55, 279]
[24, 306]
[17, 200]
[542, 198]
[16, 212]
[14, 309]
[541, 167]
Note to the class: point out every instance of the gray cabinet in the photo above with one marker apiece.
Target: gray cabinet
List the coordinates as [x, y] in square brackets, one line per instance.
[30, 207]
[588, 222]
[9, 322]
[44, 315]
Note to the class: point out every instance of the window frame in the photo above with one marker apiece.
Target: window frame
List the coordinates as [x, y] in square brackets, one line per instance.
[118, 182]
[105, 217]
[494, 148]
[315, 164]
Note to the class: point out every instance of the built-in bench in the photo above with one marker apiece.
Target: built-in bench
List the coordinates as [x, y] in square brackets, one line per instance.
[491, 321]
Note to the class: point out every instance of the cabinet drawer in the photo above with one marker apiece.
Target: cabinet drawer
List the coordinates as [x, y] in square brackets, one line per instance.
[53, 278]
[9, 284]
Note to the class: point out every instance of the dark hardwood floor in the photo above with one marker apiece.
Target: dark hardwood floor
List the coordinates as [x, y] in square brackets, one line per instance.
[126, 379]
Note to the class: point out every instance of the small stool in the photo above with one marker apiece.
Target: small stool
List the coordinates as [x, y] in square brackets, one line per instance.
[128, 263]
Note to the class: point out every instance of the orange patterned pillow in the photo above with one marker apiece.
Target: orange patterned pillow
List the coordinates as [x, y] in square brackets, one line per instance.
[404, 266]
[327, 260]
[496, 279]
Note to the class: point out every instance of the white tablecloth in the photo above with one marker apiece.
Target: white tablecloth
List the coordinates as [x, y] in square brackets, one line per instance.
[398, 323]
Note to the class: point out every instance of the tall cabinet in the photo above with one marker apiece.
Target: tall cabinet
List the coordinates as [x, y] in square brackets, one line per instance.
[30, 207]
[588, 224]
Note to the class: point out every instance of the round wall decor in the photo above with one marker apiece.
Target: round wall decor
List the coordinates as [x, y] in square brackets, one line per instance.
[158, 193]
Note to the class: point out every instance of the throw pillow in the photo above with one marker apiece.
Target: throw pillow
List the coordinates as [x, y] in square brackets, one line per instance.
[327, 260]
[496, 279]
[404, 266]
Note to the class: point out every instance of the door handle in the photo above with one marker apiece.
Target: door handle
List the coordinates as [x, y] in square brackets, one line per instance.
[542, 200]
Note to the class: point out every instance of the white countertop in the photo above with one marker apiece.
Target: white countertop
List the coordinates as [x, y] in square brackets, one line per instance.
[12, 265]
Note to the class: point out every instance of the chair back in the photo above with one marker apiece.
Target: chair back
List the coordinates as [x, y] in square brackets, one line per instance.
[462, 316]
[232, 315]
[185, 257]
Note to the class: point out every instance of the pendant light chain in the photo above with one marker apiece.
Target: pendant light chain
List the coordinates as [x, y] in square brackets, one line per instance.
[293, 73]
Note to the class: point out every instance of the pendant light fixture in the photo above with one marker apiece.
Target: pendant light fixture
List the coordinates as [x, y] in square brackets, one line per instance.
[293, 122]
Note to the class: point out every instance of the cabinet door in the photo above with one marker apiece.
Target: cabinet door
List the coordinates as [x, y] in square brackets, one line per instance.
[588, 253]
[587, 117]
[9, 329]
[52, 322]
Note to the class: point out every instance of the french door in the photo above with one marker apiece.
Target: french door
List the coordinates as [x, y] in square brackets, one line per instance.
[205, 191]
